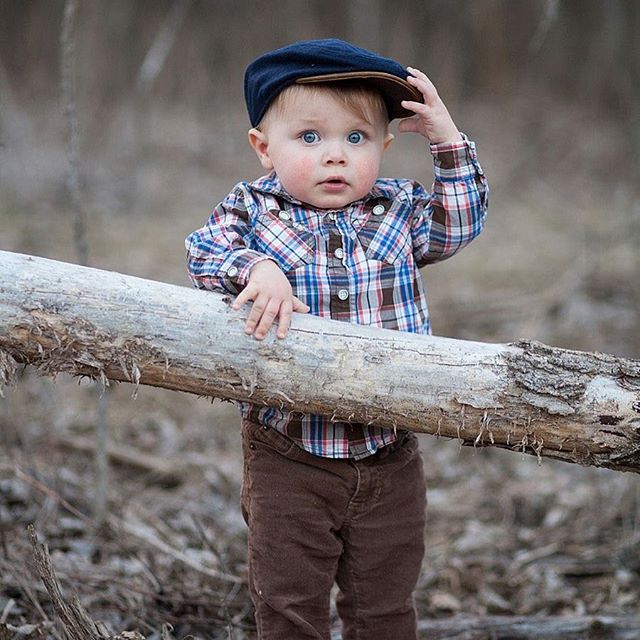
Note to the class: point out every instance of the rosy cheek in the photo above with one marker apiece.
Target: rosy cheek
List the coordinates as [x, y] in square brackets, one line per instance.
[305, 166]
[301, 169]
[368, 170]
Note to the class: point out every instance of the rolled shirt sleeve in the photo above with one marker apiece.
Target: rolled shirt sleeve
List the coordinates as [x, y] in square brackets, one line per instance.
[454, 213]
[218, 257]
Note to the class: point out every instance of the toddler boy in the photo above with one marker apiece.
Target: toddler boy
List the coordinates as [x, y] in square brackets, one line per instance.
[329, 501]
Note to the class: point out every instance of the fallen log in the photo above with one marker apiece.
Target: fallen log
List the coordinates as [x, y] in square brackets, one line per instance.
[625, 627]
[574, 406]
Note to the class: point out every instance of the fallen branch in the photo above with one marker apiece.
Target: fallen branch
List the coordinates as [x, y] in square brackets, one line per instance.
[532, 628]
[76, 621]
[571, 405]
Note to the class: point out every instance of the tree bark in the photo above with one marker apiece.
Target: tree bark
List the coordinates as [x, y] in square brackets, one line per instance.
[571, 405]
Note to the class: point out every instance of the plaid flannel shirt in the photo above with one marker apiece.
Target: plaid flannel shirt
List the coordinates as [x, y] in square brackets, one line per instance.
[358, 264]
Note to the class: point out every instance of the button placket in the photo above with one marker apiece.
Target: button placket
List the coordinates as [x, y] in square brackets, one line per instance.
[338, 270]
[336, 249]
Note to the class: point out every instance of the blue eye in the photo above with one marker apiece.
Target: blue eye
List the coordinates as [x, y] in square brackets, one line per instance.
[355, 137]
[310, 137]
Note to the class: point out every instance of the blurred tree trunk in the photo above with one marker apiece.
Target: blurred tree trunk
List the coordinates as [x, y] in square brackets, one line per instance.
[574, 406]
[68, 65]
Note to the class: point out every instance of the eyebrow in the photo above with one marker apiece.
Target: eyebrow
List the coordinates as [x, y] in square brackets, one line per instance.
[310, 120]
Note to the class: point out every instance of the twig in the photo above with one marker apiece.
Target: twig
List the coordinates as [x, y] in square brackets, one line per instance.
[101, 458]
[43, 488]
[7, 610]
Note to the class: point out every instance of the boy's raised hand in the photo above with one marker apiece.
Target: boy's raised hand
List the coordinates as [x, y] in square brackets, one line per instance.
[272, 298]
[432, 120]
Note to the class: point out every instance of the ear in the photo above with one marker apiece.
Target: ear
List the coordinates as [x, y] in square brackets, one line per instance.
[388, 139]
[260, 144]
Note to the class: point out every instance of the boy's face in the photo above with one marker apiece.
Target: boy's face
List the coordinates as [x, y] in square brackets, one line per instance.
[325, 155]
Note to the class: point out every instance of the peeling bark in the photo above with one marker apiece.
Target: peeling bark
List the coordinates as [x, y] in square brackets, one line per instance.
[574, 406]
[7, 370]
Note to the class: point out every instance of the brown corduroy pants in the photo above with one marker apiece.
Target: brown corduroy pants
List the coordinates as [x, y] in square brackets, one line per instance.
[314, 521]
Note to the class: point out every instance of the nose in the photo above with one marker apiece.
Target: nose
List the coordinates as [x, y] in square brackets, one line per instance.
[334, 154]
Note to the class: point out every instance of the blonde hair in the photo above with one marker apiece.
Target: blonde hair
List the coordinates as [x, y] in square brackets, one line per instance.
[362, 100]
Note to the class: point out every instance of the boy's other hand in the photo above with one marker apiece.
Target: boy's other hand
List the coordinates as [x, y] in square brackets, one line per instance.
[432, 120]
[272, 298]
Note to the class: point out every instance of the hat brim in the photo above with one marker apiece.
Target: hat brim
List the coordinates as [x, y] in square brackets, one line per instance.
[393, 88]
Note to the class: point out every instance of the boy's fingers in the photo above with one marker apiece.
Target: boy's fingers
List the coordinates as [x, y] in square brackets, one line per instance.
[409, 125]
[245, 295]
[284, 318]
[299, 306]
[257, 309]
[425, 86]
[422, 112]
[419, 75]
[420, 109]
[268, 316]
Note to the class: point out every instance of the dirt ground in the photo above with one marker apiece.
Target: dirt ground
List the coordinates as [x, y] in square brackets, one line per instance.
[506, 535]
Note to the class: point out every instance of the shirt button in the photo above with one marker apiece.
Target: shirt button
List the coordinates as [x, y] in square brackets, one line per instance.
[332, 216]
[343, 294]
[232, 271]
[339, 253]
[378, 210]
[284, 215]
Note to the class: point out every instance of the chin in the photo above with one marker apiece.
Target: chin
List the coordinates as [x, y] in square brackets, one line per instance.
[331, 204]
[335, 201]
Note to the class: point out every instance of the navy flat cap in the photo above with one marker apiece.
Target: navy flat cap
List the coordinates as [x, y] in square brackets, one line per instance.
[331, 60]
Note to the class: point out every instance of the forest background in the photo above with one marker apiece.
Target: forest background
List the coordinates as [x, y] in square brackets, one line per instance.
[550, 92]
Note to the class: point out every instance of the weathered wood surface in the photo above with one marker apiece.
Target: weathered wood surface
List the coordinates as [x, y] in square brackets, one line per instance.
[574, 406]
[532, 628]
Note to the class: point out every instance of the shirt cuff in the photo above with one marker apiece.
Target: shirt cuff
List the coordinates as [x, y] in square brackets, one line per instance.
[234, 272]
[455, 160]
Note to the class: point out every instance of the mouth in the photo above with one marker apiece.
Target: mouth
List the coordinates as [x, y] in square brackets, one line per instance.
[334, 182]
